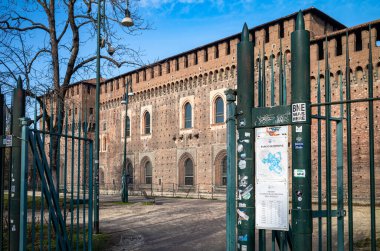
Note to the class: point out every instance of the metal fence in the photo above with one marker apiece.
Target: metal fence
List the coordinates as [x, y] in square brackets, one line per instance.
[335, 198]
[48, 201]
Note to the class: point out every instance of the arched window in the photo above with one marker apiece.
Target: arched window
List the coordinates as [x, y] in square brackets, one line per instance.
[128, 127]
[189, 172]
[148, 173]
[147, 123]
[130, 173]
[224, 171]
[219, 110]
[188, 115]
[104, 144]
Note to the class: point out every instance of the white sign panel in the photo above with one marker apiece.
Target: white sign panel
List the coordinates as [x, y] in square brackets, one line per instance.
[298, 112]
[272, 196]
[271, 149]
[272, 206]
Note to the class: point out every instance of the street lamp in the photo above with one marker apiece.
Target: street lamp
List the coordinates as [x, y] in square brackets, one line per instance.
[127, 21]
[124, 193]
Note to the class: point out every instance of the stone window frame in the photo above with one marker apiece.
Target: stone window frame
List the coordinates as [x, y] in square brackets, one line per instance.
[214, 95]
[181, 170]
[182, 103]
[188, 111]
[216, 115]
[122, 128]
[218, 167]
[104, 143]
[144, 110]
[144, 161]
[146, 123]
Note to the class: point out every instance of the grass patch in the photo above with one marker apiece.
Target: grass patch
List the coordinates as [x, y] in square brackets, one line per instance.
[38, 202]
[100, 241]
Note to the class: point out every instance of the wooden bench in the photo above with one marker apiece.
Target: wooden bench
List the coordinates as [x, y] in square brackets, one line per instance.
[149, 198]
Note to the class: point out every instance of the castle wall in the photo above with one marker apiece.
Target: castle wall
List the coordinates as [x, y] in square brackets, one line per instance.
[199, 77]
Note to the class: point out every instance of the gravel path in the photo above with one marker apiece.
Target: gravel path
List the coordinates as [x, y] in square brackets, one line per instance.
[188, 224]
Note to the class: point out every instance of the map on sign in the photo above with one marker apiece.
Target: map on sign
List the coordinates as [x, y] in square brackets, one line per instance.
[273, 160]
[271, 154]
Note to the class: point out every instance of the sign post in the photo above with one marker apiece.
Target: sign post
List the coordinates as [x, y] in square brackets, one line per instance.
[245, 100]
[301, 134]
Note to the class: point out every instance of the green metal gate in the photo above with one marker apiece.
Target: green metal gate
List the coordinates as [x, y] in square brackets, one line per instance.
[50, 199]
[322, 200]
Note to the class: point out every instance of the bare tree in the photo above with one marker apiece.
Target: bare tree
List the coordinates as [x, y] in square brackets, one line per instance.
[51, 44]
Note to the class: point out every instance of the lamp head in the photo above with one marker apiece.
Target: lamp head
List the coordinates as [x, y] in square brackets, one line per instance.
[111, 50]
[127, 20]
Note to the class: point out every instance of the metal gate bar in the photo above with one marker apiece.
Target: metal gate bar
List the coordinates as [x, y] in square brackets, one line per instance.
[330, 173]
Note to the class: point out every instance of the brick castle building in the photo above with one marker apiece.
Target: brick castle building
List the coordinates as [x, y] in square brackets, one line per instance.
[176, 132]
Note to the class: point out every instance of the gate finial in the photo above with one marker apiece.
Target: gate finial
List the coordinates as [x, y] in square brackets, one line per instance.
[19, 82]
[300, 23]
[245, 33]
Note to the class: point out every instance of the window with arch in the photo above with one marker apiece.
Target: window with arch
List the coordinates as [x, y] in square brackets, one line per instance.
[224, 171]
[128, 130]
[104, 144]
[188, 114]
[148, 172]
[130, 172]
[219, 110]
[189, 172]
[146, 123]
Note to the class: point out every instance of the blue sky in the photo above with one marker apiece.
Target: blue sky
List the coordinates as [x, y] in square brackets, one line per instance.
[185, 24]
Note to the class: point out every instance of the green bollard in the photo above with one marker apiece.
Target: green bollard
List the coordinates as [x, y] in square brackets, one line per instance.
[302, 225]
[245, 179]
[18, 111]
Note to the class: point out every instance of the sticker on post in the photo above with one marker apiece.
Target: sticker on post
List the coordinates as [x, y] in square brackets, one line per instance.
[298, 112]
[242, 164]
[240, 148]
[299, 173]
[242, 122]
[243, 182]
[242, 205]
[298, 145]
[7, 141]
[243, 237]
[298, 128]
[246, 193]
[242, 215]
[243, 247]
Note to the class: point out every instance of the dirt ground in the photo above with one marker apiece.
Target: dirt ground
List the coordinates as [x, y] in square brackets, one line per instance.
[190, 224]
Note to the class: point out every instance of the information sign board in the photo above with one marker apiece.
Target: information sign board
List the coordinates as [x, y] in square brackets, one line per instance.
[272, 196]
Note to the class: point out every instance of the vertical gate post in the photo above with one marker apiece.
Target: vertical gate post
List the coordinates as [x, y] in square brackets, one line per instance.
[2, 132]
[25, 122]
[245, 101]
[18, 111]
[301, 138]
[231, 171]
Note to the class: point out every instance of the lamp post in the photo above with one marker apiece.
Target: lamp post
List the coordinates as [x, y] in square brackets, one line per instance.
[124, 195]
[127, 21]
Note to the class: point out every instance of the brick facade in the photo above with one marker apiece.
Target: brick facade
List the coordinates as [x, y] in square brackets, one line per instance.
[199, 77]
